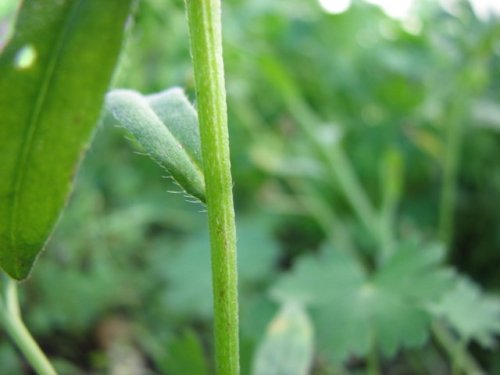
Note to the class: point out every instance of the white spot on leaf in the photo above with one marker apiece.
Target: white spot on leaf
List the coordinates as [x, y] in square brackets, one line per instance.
[25, 57]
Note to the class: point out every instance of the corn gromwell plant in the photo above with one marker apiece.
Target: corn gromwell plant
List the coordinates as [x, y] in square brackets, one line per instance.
[197, 158]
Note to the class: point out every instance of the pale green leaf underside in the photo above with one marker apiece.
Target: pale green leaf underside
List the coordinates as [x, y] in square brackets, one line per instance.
[288, 346]
[166, 126]
[54, 73]
[354, 311]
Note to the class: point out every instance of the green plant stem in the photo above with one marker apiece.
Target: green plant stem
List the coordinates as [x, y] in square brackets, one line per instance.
[467, 88]
[373, 362]
[11, 319]
[338, 165]
[451, 161]
[387, 223]
[204, 20]
[461, 359]
[333, 155]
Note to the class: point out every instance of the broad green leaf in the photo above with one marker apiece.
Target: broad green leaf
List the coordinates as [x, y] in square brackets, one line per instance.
[166, 126]
[474, 315]
[54, 73]
[287, 348]
[354, 311]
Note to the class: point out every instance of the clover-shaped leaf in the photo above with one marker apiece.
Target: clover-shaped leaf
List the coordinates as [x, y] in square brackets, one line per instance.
[355, 311]
[166, 126]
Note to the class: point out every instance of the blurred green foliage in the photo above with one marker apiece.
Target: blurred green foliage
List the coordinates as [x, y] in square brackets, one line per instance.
[129, 263]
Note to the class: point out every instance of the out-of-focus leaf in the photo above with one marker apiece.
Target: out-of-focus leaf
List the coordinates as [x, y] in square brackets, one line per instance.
[188, 273]
[472, 314]
[427, 142]
[185, 356]
[353, 311]
[486, 113]
[257, 250]
[256, 311]
[287, 348]
[188, 278]
[269, 155]
[166, 126]
[55, 71]
[11, 363]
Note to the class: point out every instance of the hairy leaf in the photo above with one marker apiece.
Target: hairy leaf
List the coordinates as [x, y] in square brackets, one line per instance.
[166, 126]
[55, 71]
[287, 348]
[353, 310]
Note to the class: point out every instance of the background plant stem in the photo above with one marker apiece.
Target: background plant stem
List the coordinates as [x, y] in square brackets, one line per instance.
[11, 319]
[450, 171]
[461, 359]
[334, 157]
[204, 19]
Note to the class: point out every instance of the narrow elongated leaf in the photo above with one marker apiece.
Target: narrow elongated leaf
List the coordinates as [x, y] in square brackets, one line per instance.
[166, 126]
[287, 348]
[54, 73]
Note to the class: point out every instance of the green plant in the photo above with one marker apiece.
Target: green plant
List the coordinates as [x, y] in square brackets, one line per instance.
[165, 125]
[204, 19]
[10, 316]
[21, 242]
[339, 135]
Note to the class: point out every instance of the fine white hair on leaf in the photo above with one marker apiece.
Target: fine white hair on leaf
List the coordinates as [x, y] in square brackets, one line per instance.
[166, 126]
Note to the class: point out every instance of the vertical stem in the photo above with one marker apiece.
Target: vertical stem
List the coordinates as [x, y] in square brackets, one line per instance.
[451, 160]
[333, 156]
[11, 319]
[204, 20]
[373, 362]
[467, 87]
